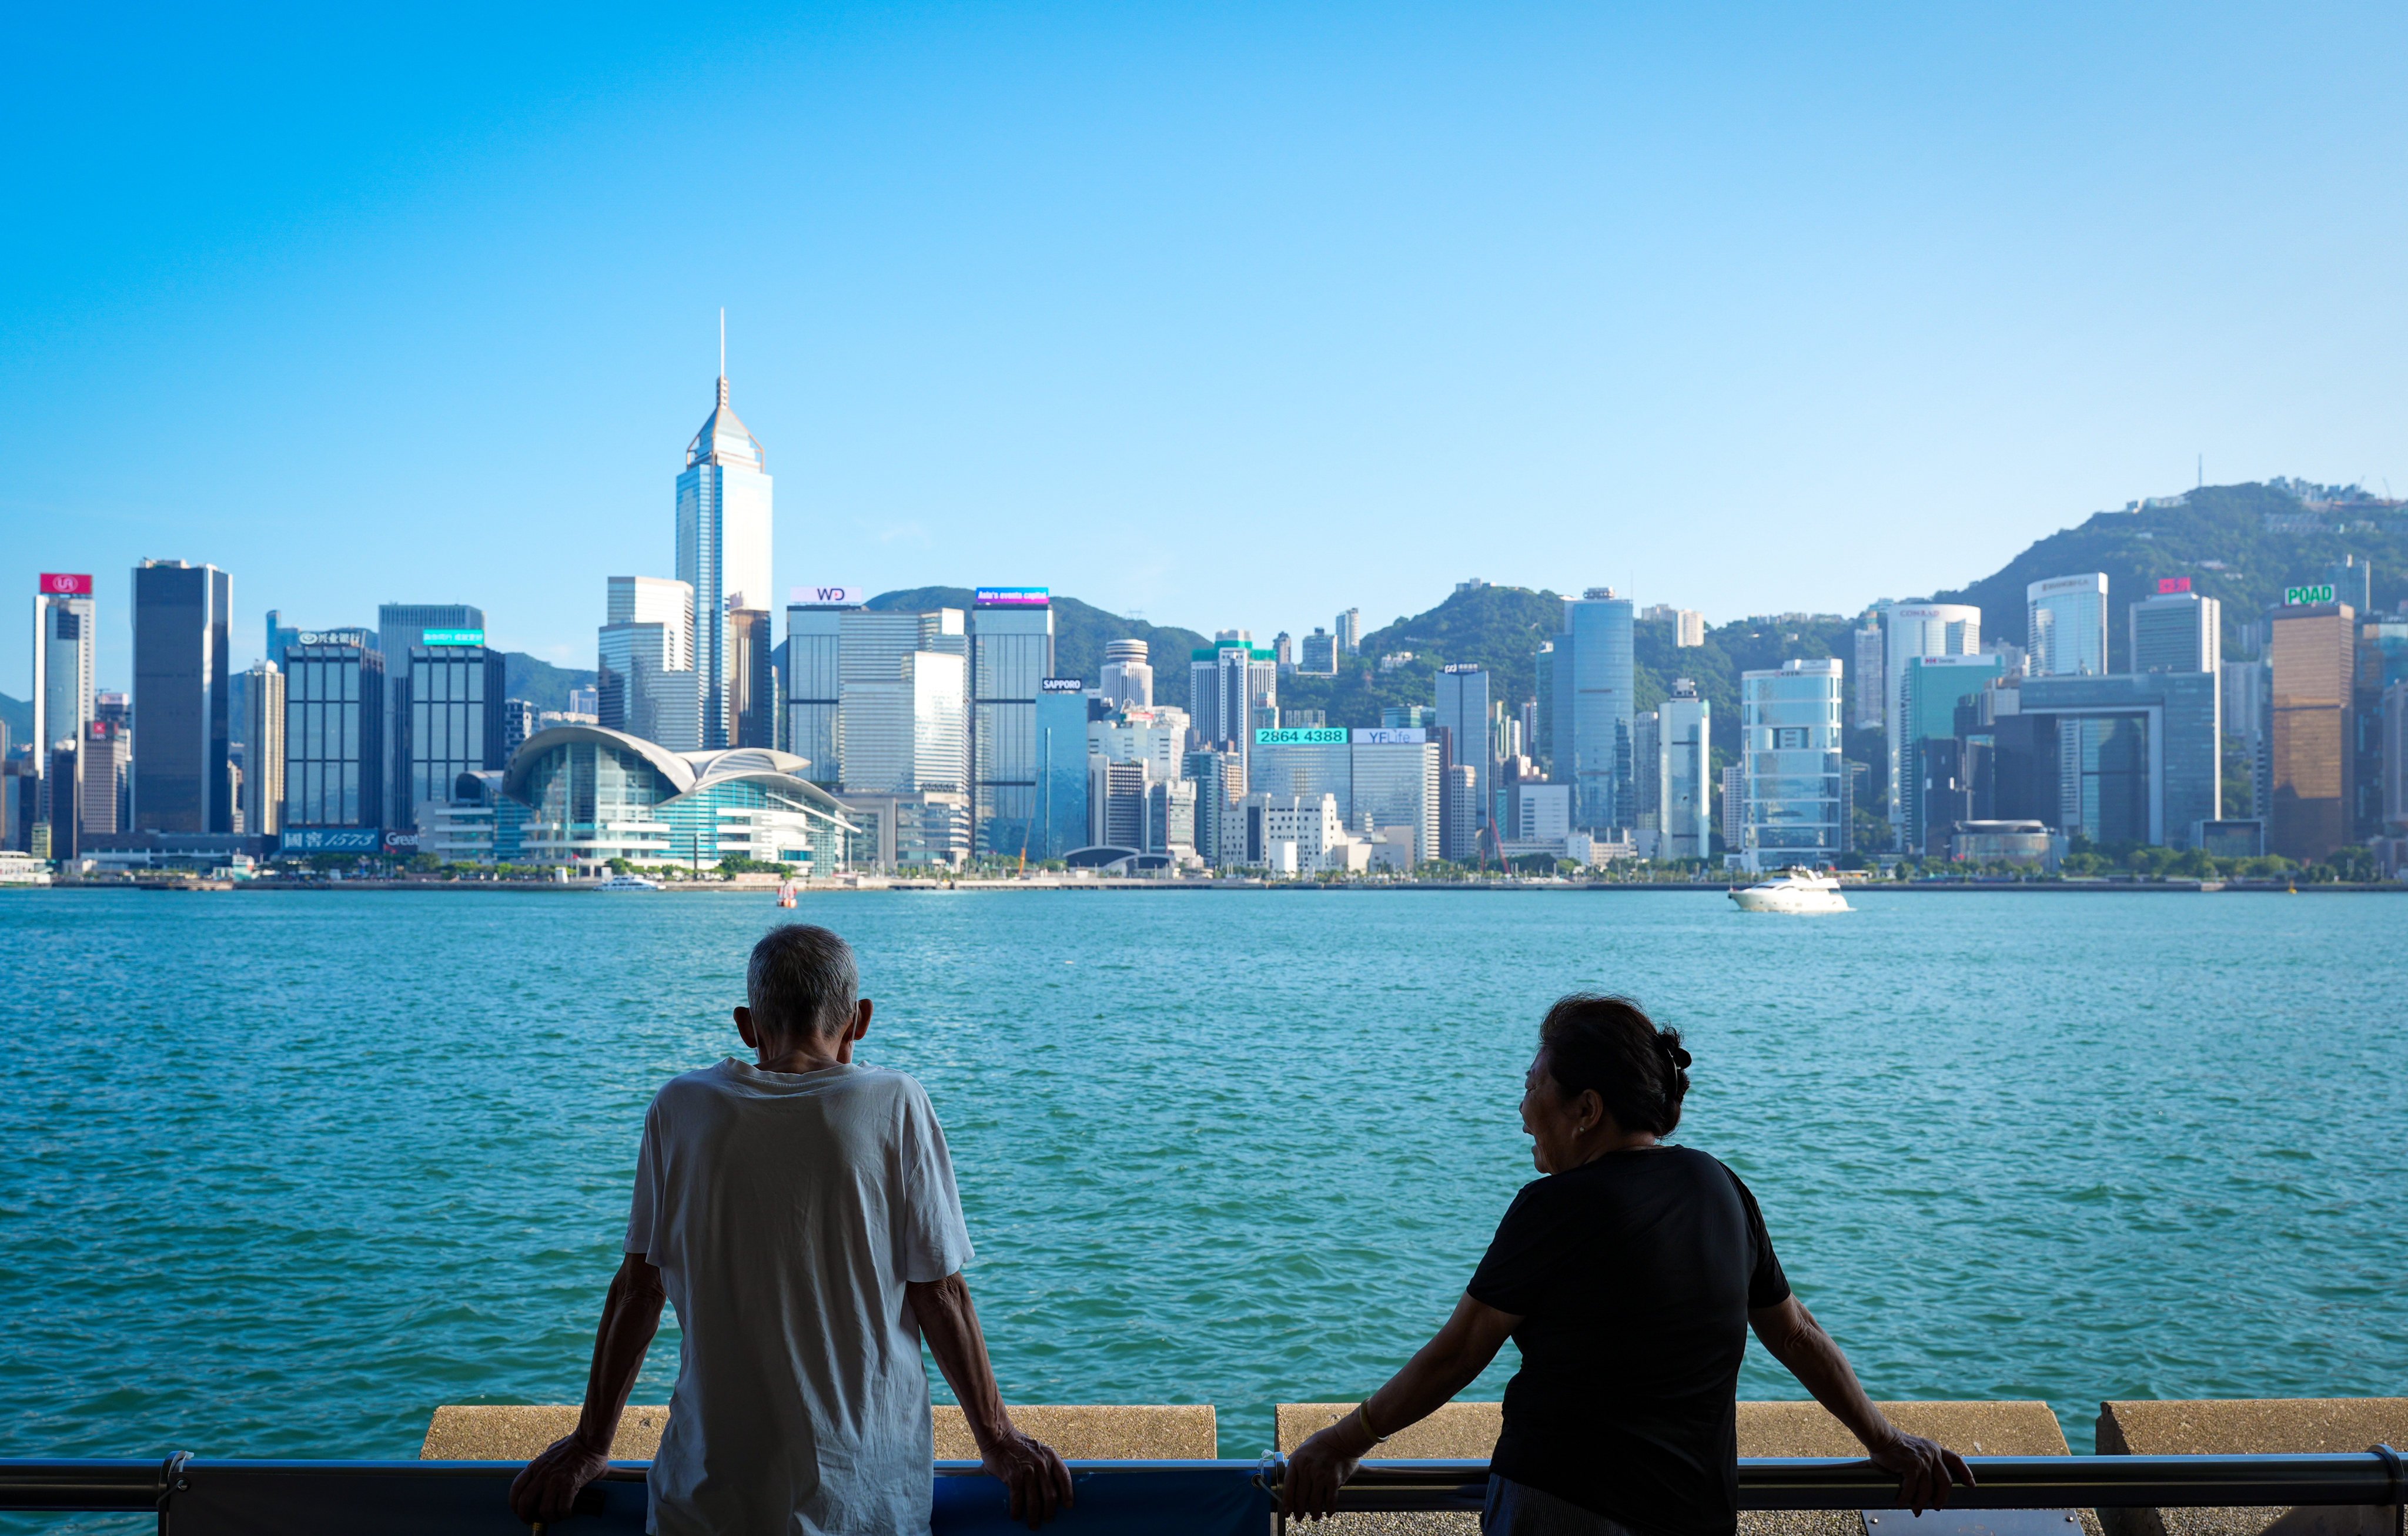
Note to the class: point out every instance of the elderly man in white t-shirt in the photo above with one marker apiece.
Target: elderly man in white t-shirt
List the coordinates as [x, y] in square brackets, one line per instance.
[800, 1213]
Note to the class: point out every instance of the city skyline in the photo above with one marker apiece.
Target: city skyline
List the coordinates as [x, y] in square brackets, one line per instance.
[1041, 299]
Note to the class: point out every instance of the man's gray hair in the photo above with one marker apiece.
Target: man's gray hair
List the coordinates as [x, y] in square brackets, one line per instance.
[802, 981]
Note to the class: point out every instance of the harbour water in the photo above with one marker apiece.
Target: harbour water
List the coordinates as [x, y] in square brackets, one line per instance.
[286, 1170]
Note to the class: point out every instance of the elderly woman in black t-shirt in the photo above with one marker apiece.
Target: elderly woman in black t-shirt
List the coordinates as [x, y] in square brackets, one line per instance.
[1629, 1276]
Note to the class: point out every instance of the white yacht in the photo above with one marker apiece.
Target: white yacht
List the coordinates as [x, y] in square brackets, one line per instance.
[1796, 889]
[629, 882]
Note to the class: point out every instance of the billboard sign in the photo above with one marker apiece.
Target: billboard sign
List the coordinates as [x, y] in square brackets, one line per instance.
[400, 842]
[827, 597]
[1014, 597]
[1061, 685]
[2297, 597]
[2169, 585]
[1452, 668]
[451, 637]
[331, 839]
[1304, 735]
[59, 583]
[1392, 735]
[360, 638]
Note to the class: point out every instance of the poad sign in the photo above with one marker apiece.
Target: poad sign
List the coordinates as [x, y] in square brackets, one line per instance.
[2301, 596]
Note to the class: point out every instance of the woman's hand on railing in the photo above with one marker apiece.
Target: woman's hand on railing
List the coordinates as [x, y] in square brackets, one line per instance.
[545, 1492]
[1924, 1469]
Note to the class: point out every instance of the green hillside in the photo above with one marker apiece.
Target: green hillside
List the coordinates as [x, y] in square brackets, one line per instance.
[539, 683]
[1080, 631]
[17, 719]
[1501, 628]
[2240, 544]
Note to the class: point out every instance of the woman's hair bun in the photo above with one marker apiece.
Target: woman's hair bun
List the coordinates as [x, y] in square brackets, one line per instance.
[1595, 1041]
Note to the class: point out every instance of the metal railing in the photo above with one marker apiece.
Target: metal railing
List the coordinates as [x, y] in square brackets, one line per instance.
[2370, 1478]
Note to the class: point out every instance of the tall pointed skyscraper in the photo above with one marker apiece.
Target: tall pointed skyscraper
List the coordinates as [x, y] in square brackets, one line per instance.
[722, 547]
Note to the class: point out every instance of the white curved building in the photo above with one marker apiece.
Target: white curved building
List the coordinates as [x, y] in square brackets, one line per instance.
[594, 795]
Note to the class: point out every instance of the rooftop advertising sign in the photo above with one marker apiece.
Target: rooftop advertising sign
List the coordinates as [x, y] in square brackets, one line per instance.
[1212, 652]
[2169, 585]
[1392, 735]
[59, 583]
[827, 597]
[1454, 666]
[2071, 583]
[332, 840]
[1320, 736]
[1014, 597]
[1061, 685]
[451, 637]
[334, 637]
[2299, 596]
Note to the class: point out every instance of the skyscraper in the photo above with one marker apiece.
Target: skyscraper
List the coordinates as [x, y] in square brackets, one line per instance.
[1127, 678]
[1350, 631]
[2312, 667]
[1794, 805]
[644, 676]
[814, 677]
[2175, 632]
[1232, 692]
[723, 550]
[262, 742]
[1061, 768]
[333, 746]
[1012, 652]
[401, 628]
[752, 678]
[64, 629]
[1462, 697]
[1594, 702]
[903, 721]
[1933, 687]
[2068, 616]
[451, 718]
[182, 697]
[1870, 672]
[1684, 797]
[1914, 629]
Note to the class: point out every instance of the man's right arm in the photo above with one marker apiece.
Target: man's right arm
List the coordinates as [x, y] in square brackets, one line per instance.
[1923, 1467]
[1040, 1483]
[631, 1315]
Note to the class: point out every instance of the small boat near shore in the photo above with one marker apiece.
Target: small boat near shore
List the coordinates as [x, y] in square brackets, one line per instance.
[629, 882]
[1796, 889]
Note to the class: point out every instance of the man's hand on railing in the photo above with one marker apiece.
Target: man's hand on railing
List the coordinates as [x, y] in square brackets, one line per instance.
[547, 1488]
[1317, 1469]
[1924, 1469]
[1040, 1483]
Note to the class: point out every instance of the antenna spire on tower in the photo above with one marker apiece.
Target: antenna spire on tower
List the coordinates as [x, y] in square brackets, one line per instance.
[723, 341]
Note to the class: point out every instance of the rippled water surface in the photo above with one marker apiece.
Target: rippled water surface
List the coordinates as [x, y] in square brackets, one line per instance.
[283, 1171]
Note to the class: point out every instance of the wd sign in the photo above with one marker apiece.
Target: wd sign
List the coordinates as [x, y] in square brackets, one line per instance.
[827, 597]
[2298, 597]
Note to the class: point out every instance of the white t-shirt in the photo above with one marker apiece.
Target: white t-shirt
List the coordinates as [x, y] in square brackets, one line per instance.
[785, 1212]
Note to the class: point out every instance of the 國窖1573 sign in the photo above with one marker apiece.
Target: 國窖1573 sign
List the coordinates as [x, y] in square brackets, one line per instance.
[61, 583]
[2299, 596]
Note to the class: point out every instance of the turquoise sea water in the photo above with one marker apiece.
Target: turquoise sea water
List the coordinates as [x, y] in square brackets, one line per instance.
[284, 1171]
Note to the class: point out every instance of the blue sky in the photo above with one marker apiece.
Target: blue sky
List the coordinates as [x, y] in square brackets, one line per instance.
[1227, 314]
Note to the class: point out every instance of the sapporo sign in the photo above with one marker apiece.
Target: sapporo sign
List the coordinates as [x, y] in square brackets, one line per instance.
[2295, 597]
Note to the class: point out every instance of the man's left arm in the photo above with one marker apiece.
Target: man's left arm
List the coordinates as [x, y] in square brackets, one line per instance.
[631, 1315]
[1040, 1483]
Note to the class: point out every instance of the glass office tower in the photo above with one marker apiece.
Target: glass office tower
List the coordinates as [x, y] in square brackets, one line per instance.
[182, 697]
[1012, 652]
[814, 682]
[334, 729]
[1463, 714]
[2068, 618]
[1789, 743]
[2313, 657]
[723, 552]
[1684, 812]
[451, 720]
[1911, 630]
[1061, 715]
[1933, 687]
[1592, 681]
[65, 627]
[401, 627]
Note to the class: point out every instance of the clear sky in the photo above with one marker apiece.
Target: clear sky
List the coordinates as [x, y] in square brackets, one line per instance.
[1230, 314]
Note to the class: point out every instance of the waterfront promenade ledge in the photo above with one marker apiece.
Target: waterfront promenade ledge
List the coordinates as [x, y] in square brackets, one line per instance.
[194, 1496]
[1147, 1432]
[2259, 1427]
[1468, 1430]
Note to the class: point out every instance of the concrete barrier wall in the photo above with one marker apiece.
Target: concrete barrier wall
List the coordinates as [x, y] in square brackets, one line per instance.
[2251, 1426]
[1082, 1433]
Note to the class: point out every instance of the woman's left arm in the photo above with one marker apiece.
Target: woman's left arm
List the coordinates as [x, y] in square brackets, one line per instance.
[1317, 1469]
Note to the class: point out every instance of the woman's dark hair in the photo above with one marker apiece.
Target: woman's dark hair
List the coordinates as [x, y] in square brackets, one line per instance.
[1594, 1041]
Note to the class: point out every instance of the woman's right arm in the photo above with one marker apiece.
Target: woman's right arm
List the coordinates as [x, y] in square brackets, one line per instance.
[1924, 1467]
[1437, 1370]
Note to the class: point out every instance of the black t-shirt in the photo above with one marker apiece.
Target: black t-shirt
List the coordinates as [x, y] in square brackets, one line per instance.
[1633, 1276]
